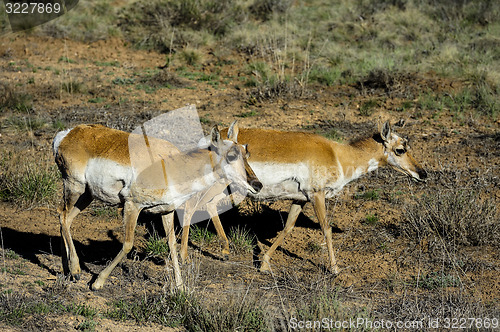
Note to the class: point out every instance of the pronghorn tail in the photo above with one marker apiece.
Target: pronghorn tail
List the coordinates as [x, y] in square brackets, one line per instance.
[58, 139]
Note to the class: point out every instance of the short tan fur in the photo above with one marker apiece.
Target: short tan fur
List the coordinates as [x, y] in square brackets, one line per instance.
[305, 167]
[95, 162]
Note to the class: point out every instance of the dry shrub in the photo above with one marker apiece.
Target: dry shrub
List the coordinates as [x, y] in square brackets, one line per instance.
[278, 89]
[459, 218]
[26, 182]
[166, 79]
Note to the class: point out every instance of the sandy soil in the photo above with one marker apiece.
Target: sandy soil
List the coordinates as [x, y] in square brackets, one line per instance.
[120, 87]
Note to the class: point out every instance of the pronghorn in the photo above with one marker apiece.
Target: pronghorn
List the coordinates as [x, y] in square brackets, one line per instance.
[104, 163]
[305, 167]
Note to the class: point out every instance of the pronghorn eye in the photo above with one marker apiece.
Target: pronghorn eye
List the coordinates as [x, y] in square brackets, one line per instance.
[399, 152]
[231, 156]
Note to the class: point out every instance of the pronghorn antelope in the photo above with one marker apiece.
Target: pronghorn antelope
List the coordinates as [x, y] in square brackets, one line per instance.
[104, 163]
[305, 167]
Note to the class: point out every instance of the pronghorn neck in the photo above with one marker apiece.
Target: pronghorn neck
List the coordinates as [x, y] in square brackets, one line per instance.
[172, 179]
[360, 157]
[196, 165]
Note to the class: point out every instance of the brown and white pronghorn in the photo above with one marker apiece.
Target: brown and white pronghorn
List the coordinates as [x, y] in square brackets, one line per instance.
[305, 167]
[139, 173]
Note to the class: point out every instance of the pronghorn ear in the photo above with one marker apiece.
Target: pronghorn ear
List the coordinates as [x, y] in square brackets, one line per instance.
[215, 136]
[247, 154]
[385, 131]
[232, 132]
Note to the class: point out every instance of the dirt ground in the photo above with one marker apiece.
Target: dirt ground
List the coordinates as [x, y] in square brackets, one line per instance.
[121, 87]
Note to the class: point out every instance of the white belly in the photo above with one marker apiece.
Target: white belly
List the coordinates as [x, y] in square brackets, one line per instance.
[108, 181]
[282, 181]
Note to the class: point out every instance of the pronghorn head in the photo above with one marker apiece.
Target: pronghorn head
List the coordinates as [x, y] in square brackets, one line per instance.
[396, 153]
[233, 159]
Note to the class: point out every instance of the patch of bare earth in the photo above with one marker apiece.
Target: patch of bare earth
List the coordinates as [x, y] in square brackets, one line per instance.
[122, 87]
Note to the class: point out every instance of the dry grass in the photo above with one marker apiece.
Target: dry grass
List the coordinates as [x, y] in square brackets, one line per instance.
[26, 181]
[457, 218]
[336, 43]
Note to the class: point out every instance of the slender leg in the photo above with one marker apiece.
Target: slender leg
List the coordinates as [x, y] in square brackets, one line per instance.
[74, 202]
[189, 209]
[290, 223]
[320, 209]
[212, 211]
[130, 214]
[168, 225]
[212, 195]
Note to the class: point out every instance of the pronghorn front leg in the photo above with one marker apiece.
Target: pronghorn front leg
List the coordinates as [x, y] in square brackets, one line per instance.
[320, 210]
[214, 215]
[208, 198]
[189, 210]
[130, 214]
[295, 210]
[168, 226]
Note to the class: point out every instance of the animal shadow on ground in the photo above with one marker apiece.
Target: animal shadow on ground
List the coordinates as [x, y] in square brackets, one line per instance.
[263, 226]
[29, 245]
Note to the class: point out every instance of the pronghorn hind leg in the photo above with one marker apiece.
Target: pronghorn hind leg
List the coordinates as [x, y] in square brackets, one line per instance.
[295, 210]
[168, 226]
[130, 214]
[74, 202]
[320, 210]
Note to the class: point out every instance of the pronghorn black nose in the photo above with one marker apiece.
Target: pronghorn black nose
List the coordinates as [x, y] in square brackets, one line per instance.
[422, 174]
[256, 185]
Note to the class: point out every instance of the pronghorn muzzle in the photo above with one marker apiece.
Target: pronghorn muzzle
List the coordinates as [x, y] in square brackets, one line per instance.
[252, 179]
[418, 173]
[422, 175]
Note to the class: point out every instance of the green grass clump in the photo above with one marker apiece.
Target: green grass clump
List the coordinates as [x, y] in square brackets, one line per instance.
[368, 107]
[241, 240]
[371, 219]
[105, 211]
[313, 247]
[35, 186]
[16, 307]
[369, 195]
[321, 304]
[89, 21]
[25, 123]
[158, 308]
[435, 280]
[15, 101]
[190, 312]
[201, 235]
[156, 246]
[73, 87]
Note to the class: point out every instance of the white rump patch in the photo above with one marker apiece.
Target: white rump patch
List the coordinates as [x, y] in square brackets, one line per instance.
[58, 139]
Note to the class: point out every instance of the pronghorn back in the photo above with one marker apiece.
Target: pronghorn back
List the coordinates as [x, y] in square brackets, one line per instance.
[89, 141]
[94, 141]
[286, 147]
